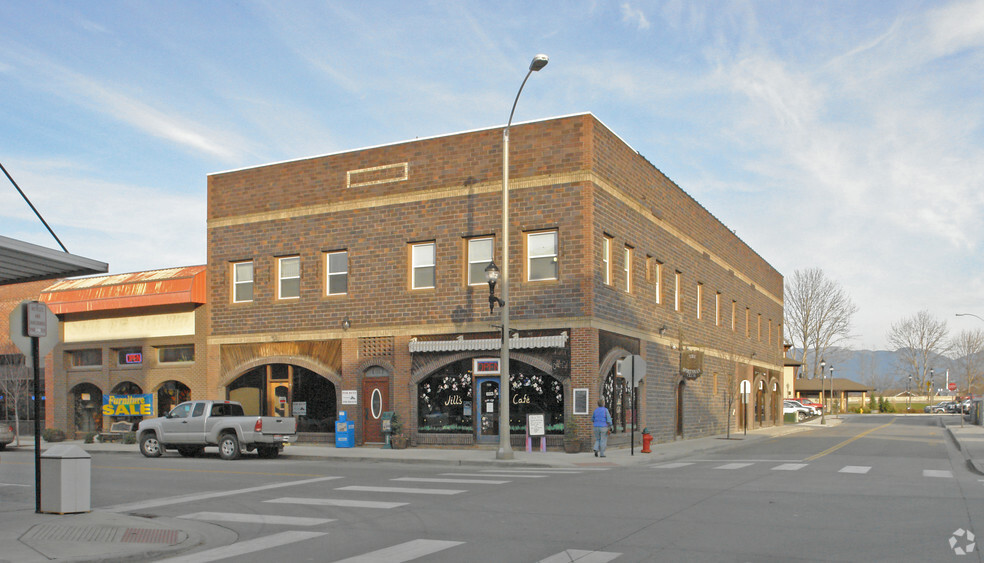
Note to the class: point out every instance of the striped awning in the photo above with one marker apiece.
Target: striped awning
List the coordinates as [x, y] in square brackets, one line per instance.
[462, 345]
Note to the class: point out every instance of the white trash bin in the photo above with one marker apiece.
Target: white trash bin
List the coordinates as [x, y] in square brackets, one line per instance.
[65, 479]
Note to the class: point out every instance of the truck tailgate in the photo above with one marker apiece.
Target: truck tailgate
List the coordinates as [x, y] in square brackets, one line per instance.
[278, 425]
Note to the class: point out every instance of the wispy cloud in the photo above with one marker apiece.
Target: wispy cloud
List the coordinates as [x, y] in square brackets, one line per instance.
[634, 17]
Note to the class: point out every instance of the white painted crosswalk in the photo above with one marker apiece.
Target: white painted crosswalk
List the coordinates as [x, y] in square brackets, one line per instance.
[399, 553]
[256, 518]
[788, 466]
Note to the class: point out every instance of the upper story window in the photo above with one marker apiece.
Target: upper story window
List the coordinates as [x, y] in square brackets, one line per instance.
[132, 356]
[541, 254]
[89, 358]
[658, 280]
[175, 354]
[479, 257]
[734, 315]
[423, 265]
[336, 268]
[717, 308]
[700, 299]
[748, 322]
[606, 259]
[676, 291]
[290, 277]
[242, 282]
[628, 269]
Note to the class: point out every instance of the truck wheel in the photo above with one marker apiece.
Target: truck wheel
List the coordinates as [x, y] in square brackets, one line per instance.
[268, 452]
[228, 446]
[149, 446]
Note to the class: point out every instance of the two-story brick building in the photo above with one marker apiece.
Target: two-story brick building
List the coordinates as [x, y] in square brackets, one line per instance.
[355, 281]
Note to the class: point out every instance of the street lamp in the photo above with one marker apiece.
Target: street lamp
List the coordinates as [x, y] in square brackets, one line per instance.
[908, 395]
[932, 372]
[505, 449]
[832, 392]
[823, 379]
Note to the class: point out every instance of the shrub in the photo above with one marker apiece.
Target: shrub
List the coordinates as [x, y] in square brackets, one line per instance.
[130, 438]
[889, 407]
[89, 438]
[872, 405]
[53, 435]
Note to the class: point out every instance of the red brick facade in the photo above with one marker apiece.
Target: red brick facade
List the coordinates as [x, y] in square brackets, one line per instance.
[568, 175]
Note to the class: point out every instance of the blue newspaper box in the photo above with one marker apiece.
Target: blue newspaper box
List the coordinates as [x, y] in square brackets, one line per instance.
[344, 431]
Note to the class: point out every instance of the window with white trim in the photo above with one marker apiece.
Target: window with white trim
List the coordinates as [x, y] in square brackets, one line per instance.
[336, 272]
[700, 298]
[717, 309]
[242, 281]
[658, 281]
[606, 259]
[541, 253]
[479, 257]
[628, 269]
[289, 274]
[424, 265]
[676, 291]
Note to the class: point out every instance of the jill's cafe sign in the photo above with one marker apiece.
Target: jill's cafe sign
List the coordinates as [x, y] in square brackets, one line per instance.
[691, 364]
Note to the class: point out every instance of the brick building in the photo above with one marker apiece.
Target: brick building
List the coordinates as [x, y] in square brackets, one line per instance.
[354, 281]
[132, 345]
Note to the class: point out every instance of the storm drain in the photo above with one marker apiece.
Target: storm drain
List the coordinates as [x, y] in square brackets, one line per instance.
[102, 534]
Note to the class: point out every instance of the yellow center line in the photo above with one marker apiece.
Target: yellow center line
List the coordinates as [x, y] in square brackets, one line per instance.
[846, 442]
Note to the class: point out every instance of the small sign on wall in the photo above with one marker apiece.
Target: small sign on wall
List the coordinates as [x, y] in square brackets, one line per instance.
[580, 401]
[350, 397]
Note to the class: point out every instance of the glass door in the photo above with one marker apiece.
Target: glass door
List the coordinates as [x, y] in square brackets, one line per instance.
[487, 406]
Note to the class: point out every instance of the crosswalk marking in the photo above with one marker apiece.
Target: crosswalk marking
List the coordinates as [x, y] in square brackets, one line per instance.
[256, 518]
[539, 471]
[436, 480]
[337, 502]
[676, 465]
[581, 556]
[153, 503]
[511, 476]
[406, 490]
[245, 547]
[789, 467]
[937, 473]
[407, 551]
[859, 469]
[733, 466]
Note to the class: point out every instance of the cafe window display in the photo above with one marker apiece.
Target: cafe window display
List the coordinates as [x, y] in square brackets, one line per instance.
[445, 400]
[618, 398]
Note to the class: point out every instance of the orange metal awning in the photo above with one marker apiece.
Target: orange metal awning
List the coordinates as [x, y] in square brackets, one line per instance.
[127, 291]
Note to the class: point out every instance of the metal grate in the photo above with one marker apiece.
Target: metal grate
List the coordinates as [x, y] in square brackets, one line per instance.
[103, 534]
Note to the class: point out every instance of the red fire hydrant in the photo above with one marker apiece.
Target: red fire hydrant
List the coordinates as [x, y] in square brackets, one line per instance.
[647, 439]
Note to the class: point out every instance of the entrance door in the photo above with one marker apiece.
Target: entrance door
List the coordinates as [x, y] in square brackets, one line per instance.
[679, 408]
[278, 397]
[375, 393]
[487, 407]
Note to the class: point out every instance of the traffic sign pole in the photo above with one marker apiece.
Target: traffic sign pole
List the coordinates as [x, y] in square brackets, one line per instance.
[37, 423]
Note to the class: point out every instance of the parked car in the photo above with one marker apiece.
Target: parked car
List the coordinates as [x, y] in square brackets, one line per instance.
[6, 435]
[801, 411]
[814, 407]
[940, 407]
[965, 406]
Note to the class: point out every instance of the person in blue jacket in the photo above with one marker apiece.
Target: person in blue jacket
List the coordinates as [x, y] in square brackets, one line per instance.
[602, 420]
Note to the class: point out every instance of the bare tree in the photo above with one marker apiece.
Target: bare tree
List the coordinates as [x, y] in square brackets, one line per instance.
[818, 315]
[918, 341]
[967, 355]
[15, 384]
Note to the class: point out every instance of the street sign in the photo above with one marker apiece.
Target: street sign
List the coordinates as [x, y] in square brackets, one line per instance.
[746, 389]
[27, 317]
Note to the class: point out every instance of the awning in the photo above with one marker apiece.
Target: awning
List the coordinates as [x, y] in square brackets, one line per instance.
[121, 291]
[24, 262]
[462, 345]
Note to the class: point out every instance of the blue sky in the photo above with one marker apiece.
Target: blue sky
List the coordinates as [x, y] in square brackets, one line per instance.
[844, 135]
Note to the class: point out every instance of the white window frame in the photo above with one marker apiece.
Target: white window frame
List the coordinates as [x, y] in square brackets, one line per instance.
[717, 309]
[659, 282]
[281, 278]
[331, 274]
[606, 259]
[628, 269]
[473, 260]
[676, 291]
[531, 257]
[236, 282]
[700, 298]
[415, 266]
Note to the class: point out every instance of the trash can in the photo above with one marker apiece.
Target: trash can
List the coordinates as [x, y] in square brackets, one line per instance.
[344, 431]
[65, 479]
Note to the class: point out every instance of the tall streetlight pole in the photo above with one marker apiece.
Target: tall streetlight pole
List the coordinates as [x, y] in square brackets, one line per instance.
[823, 380]
[505, 448]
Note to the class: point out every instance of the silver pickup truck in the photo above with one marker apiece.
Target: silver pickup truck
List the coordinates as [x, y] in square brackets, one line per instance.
[191, 426]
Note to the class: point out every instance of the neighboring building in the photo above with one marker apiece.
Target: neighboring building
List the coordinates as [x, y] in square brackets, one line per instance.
[12, 361]
[790, 369]
[132, 345]
[355, 281]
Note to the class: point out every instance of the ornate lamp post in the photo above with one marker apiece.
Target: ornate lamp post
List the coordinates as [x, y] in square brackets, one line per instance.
[505, 449]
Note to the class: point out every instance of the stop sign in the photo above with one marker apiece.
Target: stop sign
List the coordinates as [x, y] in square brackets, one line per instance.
[952, 386]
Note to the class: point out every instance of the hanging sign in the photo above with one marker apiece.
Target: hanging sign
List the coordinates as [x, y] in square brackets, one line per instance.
[691, 364]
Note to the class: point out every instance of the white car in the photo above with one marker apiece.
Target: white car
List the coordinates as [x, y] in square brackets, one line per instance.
[810, 409]
[794, 407]
[6, 435]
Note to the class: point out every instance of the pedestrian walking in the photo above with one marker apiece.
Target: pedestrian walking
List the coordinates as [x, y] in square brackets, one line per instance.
[602, 420]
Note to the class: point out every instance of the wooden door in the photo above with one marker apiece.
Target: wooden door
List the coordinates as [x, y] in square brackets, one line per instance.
[375, 396]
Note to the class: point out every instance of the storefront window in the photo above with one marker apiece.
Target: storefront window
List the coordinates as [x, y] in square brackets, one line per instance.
[444, 401]
[618, 399]
[534, 392]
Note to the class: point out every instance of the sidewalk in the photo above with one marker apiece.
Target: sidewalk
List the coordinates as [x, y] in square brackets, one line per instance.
[969, 438]
[28, 537]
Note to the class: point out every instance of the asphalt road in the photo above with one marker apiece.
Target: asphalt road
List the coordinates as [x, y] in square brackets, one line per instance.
[875, 488]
